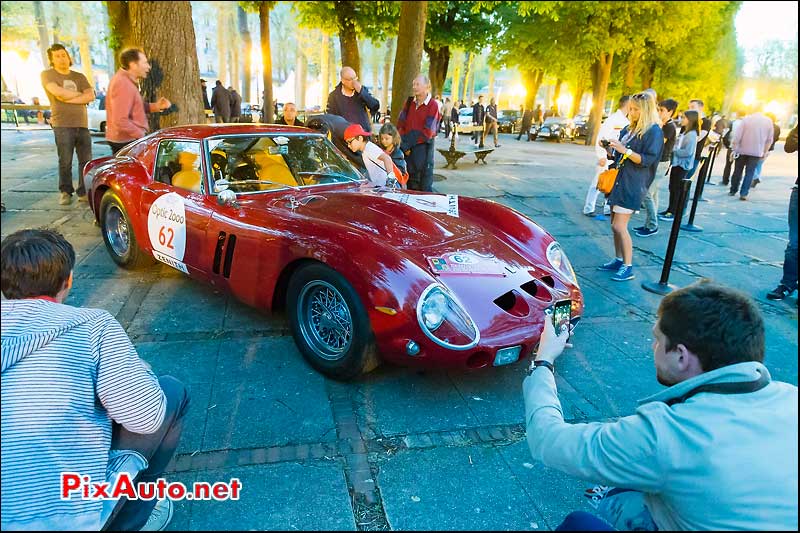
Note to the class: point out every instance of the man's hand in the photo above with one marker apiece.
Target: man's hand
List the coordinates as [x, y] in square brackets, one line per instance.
[163, 104]
[356, 85]
[551, 345]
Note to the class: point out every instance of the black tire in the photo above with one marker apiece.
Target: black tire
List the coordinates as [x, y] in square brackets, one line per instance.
[359, 355]
[112, 212]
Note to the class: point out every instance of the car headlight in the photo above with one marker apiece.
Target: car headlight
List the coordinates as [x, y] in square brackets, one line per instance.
[558, 259]
[444, 321]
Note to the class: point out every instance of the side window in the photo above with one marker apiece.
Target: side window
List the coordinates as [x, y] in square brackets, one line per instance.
[178, 164]
[251, 164]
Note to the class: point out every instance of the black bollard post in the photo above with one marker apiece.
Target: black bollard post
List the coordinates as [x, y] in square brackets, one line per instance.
[711, 166]
[663, 287]
[703, 175]
[698, 192]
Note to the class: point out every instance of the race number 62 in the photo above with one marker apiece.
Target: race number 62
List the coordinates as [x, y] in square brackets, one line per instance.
[163, 239]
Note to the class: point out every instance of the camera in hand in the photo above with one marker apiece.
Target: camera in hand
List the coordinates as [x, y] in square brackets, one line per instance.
[605, 143]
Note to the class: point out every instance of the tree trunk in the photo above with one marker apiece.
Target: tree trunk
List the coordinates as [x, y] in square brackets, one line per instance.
[577, 95]
[648, 74]
[531, 79]
[348, 39]
[324, 70]
[300, 80]
[601, 72]
[266, 61]
[55, 14]
[222, 44]
[472, 85]
[491, 82]
[437, 68]
[120, 25]
[375, 67]
[41, 26]
[410, 39]
[454, 84]
[557, 91]
[235, 48]
[630, 73]
[83, 43]
[247, 52]
[467, 72]
[173, 58]
[387, 71]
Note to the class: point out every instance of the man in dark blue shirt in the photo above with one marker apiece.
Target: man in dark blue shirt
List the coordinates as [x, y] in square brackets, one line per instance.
[352, 101]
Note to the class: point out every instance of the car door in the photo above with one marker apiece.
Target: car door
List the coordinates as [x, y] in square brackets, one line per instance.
[178, 207]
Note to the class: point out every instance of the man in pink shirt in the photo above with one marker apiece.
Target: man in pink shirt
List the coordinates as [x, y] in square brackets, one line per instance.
[126, 118]
[751, 142]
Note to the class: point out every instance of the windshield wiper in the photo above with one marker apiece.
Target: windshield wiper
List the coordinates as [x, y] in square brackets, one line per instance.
[331, 174]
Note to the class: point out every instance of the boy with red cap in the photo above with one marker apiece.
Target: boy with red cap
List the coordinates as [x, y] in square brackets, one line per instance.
[380, 167]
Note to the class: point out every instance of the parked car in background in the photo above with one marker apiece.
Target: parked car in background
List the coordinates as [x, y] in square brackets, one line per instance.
[508, 120]
[250, 112]
[465, 120]
[580, 125]
[558, 128]
[97, 116]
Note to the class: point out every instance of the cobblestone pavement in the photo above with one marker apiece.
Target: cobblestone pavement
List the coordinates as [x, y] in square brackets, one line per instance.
[401, 448]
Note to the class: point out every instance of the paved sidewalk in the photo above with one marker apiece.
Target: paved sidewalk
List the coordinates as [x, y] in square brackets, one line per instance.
[406, 449]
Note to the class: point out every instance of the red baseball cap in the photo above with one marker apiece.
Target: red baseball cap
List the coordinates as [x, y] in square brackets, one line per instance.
[354, 130]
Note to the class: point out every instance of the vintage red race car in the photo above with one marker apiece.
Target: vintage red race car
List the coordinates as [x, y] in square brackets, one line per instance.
[277, 216]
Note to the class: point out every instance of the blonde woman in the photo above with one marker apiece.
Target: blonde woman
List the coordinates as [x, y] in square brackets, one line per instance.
[638, 151]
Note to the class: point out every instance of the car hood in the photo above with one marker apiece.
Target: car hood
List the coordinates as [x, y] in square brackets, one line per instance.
[380, 214]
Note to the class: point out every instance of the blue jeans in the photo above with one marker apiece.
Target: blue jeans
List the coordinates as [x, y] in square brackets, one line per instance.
[746, 163]
[581, 521]
[757, 173]
[789, 279]
[157, 448]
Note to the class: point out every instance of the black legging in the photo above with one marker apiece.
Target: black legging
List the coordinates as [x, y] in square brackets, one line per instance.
[676, 176]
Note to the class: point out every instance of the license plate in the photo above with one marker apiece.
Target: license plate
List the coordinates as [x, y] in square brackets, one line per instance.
[506, 356]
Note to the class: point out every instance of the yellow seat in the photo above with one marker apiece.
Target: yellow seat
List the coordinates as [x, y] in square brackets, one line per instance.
[188, 177]
[272, 167]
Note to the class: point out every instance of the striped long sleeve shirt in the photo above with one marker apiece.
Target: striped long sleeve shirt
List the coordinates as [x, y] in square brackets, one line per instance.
[67, 373]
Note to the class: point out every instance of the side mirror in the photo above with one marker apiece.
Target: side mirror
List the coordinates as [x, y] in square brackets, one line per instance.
[227, 198]
[221, 185]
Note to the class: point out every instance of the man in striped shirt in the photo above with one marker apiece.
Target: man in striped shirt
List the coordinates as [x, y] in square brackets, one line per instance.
[76, 398]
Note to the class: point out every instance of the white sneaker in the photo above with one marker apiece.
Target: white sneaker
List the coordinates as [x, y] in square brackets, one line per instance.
[160, 517]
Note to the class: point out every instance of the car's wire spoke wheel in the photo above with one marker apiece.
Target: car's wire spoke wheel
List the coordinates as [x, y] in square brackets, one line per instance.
[325, 320]
[117, 231]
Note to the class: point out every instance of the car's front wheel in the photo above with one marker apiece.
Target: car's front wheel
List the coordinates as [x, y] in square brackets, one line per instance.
[118, 234]
[329, 323]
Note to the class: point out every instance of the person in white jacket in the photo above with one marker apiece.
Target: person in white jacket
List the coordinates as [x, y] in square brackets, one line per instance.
[608, 130]
[716, 450]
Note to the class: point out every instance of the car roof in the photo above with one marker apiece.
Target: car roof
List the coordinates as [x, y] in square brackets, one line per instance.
[202, 131]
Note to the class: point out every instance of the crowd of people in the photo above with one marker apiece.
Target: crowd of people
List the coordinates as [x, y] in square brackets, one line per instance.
[717, 449]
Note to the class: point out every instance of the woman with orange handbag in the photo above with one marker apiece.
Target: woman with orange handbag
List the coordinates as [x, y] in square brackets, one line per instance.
[638, 151]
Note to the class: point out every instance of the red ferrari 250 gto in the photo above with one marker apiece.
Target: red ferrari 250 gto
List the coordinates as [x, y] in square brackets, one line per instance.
[277, 216]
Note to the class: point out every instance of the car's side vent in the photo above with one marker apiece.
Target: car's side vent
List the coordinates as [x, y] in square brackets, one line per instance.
[549, 281]
[506, 301]
[511, 304]
[226, 269]
[537, 290]
[218, 251]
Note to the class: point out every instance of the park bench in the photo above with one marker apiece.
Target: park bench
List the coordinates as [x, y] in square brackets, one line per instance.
[452, 155]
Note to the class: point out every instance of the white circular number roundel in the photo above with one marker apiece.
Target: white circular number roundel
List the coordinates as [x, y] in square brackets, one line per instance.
[166, 225]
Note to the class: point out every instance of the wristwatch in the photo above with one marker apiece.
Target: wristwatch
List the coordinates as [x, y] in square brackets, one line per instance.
[541, 362]
[628, 152]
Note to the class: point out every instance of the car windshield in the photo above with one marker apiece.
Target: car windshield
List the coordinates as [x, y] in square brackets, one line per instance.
[272, 162]
[467, 111]
[509, 113]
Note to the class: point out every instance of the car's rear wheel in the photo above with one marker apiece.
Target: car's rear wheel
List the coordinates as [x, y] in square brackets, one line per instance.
[118, 234]
[329, 323]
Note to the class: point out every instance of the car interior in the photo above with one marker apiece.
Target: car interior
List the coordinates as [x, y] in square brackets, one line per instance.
[178, 165]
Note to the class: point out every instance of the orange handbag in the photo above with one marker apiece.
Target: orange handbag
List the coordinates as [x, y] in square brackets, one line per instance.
[607, 178]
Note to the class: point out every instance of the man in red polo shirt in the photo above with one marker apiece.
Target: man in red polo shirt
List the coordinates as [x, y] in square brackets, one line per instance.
[418, 124]
[126, 110]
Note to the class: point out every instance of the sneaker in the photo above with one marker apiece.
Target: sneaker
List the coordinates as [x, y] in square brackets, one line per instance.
[743, 198]
[644, 232]
[65, 199]
[83, 198]
[160, 516]
[754, 183]
[640, 228]
[612, 266]
[779, 293]
[731, 193]
[624, 273]
[497, 146]
[668, 217]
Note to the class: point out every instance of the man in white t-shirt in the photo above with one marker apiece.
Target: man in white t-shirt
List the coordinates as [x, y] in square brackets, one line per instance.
[379, 164]
[608, 130]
